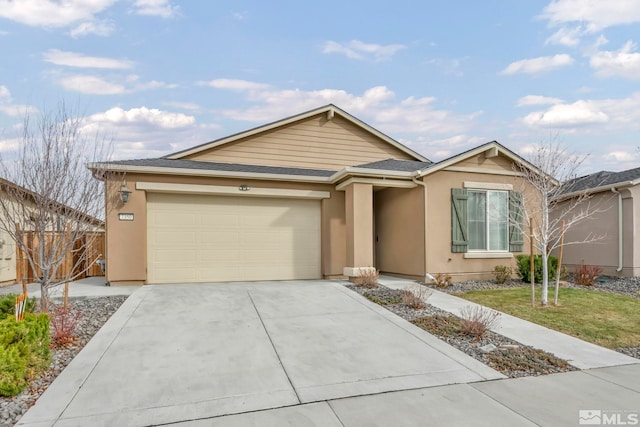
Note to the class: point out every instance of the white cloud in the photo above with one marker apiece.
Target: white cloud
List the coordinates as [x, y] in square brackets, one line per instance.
[97, 27]
[8, 107]
[538, 65]
[621, 156]
[97, 85]
[621, 63]
[377, 105]
[92, 85]
[50, 13]
[233, 84]
[356, 49]
[566, 36]
[537, 100]
[72, 59]
[162, 8]
[579, 113]
[147, 132]
[596, 14]
[448, 66]
[182, 105]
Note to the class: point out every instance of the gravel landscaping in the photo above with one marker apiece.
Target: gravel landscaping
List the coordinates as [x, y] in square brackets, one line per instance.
[502, 354]
[94, 312]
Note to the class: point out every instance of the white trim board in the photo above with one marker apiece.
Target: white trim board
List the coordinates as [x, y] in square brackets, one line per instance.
[220, 190]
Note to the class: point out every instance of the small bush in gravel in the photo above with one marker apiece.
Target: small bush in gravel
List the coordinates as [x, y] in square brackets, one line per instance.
[477, 320]
[586, 275]
[526, 359]
[443, 280]
[384, 296]
[444, 325]
[416, 298]
[8, 304]
[367, 278]
[64, 321]
[24, 351]
[502, 273]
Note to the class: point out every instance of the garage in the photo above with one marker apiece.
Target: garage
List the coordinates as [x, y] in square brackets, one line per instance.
[213, 238]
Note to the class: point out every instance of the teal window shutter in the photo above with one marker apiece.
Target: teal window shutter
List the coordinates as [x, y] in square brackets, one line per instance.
[516, 209]
[459, 240]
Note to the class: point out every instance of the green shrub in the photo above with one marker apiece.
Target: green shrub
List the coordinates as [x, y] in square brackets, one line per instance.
[524, 268]
[24, 351]
[502, 273]
[8, 304]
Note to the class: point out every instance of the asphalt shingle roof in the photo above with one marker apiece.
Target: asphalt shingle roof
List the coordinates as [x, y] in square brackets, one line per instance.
[227, 167]
[600, 179]
[397, 165]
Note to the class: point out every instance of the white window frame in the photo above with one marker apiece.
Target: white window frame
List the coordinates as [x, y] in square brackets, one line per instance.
[488, 253]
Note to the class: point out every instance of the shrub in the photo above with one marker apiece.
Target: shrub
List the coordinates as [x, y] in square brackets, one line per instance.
[64, 323]
[443, 280]
[586, 275]
[24, 351]
[367, 278]
[8, 305]
[502, 274]
[477, 320]
[524, 272]
[416, 298]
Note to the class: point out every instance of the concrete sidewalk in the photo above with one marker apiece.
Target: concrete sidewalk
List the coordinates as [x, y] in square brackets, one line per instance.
[579, 353]
[89, 287]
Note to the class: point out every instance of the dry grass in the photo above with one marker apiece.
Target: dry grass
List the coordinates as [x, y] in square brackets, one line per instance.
[367, 279]
[416, 298]
[477, 320]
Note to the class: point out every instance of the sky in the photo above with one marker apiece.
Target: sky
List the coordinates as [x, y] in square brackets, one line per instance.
[158, 76]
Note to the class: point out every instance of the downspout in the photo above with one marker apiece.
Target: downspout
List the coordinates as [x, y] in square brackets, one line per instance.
[620, 247]
[426, 238]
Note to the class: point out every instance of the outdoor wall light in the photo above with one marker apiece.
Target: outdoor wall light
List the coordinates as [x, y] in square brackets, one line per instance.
[244, 187]
[124, 192]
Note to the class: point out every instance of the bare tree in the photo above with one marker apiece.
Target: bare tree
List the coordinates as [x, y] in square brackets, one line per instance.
[555, 200]
[49, 201]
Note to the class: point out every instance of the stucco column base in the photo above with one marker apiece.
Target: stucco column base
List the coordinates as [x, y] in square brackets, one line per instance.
[356, 271]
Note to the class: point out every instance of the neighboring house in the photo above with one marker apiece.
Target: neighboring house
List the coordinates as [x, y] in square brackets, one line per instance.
[615, 196]
[317, 195]
[12, 264]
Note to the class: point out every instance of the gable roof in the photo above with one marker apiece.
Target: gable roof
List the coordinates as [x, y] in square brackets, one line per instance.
[603, 180]
[329, 109]
[492, 145]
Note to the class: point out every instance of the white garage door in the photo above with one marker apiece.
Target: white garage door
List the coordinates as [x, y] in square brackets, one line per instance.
[203, 238]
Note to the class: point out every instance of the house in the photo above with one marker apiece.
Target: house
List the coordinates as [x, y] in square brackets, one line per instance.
[615, 199]
[317, 195]
[18, 205]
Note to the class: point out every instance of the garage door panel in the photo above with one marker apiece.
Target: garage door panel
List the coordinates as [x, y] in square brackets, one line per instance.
[211, 238]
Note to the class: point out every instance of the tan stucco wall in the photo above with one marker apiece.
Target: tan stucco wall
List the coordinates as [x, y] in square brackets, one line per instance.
[440, 259]
[399, 231]
[7, 258]
[314, 143]
[126, 240]
[604, 224]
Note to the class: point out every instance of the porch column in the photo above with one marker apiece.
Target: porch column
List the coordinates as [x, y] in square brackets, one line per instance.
[359, 216]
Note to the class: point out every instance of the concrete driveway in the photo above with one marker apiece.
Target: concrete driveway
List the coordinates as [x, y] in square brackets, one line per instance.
[188, 352]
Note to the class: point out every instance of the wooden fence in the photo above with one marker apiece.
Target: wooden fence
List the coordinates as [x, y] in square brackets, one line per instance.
[79, 261]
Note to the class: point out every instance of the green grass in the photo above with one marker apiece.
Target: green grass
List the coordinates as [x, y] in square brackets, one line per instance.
[605, 319]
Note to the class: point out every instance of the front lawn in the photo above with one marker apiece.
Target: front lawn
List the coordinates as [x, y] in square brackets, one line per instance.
[609, 320]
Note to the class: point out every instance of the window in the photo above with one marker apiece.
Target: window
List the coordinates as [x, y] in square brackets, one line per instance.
[488, 220]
